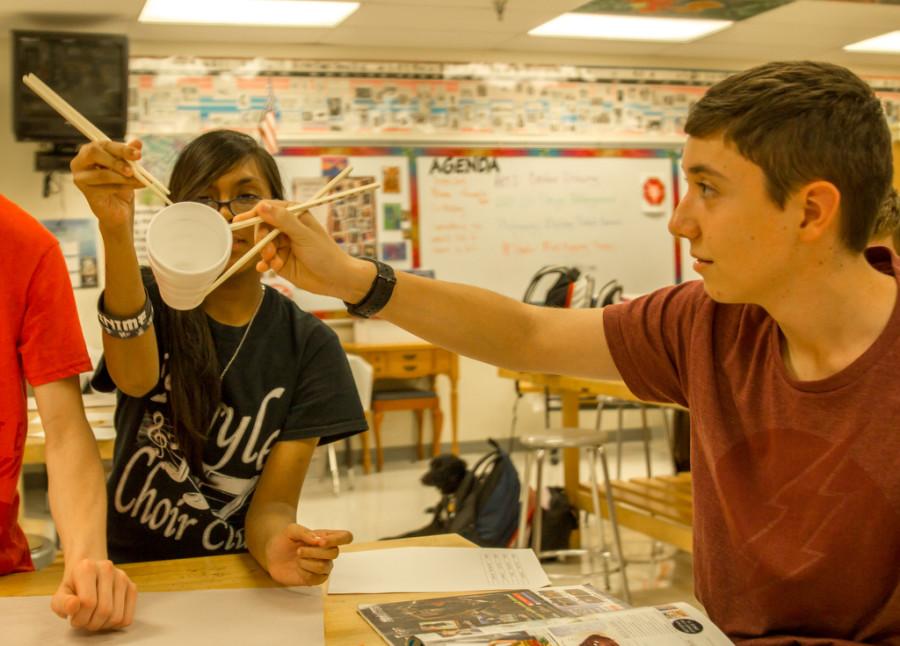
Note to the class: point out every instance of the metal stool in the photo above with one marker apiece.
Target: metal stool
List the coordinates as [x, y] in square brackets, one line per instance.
[538, 445]
[620, 406]
[657, 551]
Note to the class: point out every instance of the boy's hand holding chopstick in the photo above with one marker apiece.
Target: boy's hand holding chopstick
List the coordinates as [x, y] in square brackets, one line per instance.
[302, 251]
[294, 212]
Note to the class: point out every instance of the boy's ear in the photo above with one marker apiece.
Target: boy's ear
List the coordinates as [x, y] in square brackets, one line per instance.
[820, 203]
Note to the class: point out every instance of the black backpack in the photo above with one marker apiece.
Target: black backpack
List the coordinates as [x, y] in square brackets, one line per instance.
[485, 508]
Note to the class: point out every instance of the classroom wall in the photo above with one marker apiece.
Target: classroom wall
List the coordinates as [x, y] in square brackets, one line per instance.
[485, 400]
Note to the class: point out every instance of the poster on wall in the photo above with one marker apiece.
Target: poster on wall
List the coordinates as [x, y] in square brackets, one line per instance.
[653, 194]
[78, 241]
[377, 224]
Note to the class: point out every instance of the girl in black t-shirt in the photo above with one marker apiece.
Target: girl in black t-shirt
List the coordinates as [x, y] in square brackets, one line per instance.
[220, 407]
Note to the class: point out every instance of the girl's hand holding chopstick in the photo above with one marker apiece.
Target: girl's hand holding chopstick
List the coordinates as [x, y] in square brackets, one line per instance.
[101, 171]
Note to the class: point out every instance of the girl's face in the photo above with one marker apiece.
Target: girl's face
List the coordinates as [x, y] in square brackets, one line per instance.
[241, 187]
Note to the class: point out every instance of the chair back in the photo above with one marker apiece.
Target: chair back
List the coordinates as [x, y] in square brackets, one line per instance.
[364, 377]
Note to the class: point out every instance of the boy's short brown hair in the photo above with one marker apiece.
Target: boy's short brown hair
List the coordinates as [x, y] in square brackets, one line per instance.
[887, 222]
[805, 121]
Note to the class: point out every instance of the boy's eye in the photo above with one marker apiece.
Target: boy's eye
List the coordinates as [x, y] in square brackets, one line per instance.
[705, 189]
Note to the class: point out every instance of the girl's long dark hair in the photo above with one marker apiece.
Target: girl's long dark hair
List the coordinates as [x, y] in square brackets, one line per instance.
[193, 367]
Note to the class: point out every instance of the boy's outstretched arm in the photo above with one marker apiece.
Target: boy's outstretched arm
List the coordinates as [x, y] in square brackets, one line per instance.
[471, 321]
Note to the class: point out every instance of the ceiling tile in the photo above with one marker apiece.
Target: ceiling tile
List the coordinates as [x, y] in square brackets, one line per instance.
[419, 38]
[805, 28]
[415, 17]
[587, 46]
[750, 52]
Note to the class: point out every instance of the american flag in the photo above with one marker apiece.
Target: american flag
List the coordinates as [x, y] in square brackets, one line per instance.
[268, 129]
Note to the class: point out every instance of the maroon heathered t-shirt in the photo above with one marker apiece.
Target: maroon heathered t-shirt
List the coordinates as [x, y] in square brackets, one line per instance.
[796, 484]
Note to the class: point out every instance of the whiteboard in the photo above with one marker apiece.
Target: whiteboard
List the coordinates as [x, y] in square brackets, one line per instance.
[496, 221]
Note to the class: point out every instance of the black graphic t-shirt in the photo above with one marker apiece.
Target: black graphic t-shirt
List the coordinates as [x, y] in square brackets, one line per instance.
[290, 380]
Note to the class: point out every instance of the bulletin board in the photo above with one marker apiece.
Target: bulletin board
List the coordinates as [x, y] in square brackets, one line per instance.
[402, 101]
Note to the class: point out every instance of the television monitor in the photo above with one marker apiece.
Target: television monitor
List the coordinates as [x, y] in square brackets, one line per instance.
[88, 70]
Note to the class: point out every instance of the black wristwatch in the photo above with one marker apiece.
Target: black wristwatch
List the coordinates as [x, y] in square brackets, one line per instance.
[379, 293]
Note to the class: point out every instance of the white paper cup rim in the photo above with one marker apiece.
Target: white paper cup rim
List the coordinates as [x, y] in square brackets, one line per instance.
[199, 213]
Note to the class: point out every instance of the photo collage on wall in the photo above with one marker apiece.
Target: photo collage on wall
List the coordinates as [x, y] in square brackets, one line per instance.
[351, 221]
[373, 224]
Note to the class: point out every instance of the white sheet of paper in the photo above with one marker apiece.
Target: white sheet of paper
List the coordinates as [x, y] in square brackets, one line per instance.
[199, 618]
[435, 569]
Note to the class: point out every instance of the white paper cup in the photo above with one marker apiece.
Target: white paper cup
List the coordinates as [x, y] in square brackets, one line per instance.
[188, 245]
[179, 298]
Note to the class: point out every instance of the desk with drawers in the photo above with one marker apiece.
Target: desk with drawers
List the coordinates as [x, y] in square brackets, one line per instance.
[412, 360]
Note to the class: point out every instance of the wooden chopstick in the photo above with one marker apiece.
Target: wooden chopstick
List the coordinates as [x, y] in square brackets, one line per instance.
[84, 126]
[89, 130]
[81, 123]
[240, 262]
[316, 201]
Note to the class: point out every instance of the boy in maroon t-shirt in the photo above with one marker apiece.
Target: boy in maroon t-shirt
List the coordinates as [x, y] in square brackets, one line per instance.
[41, 341]
[786, 352]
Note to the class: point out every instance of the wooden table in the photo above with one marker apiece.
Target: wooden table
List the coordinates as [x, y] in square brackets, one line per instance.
[343, 625]
[412, 360]
[570, 390]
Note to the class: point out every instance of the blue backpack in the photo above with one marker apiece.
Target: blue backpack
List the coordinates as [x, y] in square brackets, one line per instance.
[485, 507]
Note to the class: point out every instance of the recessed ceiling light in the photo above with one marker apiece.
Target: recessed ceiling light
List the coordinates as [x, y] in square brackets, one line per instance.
[885, 44]
[268, 13]
[617, 27]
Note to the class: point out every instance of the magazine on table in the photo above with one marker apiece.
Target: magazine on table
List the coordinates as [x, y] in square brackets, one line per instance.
[676, 624]
[555, 616]
[473, 615]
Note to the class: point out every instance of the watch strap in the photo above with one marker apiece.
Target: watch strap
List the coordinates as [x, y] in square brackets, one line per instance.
[379, 293]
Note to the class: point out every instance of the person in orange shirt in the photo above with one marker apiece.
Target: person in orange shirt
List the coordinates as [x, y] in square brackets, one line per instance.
[41, 342]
